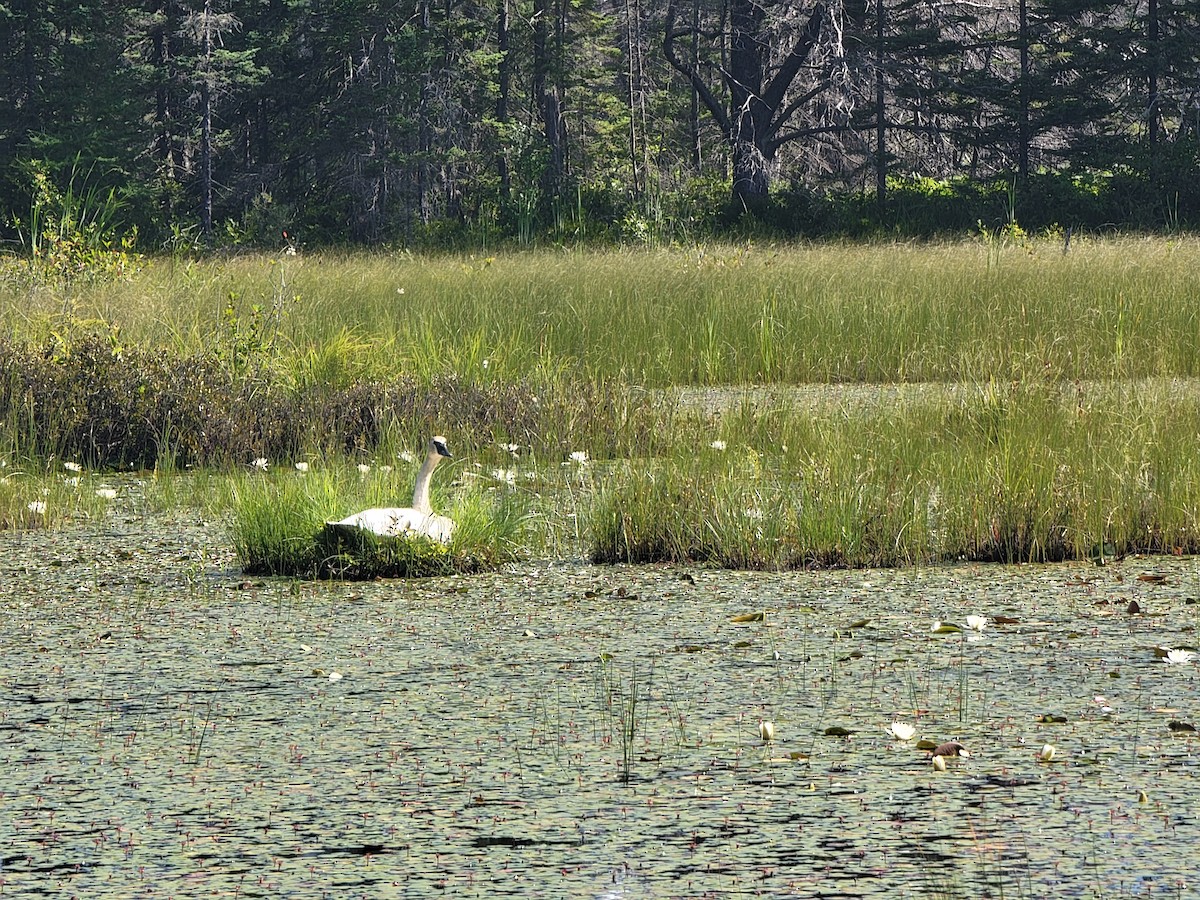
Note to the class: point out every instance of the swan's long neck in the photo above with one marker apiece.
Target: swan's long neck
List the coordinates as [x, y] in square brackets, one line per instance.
[421, 489]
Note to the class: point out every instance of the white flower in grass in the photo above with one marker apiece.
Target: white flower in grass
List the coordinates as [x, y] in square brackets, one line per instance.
[718, 445]
[579, 456]
[755, 514]
[37, 507]
[106, 493]
[363, 468]
[510, 448]
[1176, 657]
[73, 481]
[901, 731]
[977, 623]
[406, 456]
[302, 467]
[507, 476]
[260, 464]
[385, 469]
[72, 467]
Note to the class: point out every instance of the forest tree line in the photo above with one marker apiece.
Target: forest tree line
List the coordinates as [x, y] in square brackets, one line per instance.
[445, 121]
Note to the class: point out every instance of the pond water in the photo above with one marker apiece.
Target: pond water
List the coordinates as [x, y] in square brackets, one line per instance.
[169, 728]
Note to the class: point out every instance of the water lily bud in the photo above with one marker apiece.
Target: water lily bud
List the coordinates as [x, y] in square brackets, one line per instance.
[766, 730]
[1046, 753]
[939, 763]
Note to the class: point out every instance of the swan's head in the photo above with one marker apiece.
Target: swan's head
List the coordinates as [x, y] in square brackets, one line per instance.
[438, 446]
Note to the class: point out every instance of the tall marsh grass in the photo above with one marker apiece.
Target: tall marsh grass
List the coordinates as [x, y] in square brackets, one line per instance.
[965, 311]
[1009, 473]
[1059, 420]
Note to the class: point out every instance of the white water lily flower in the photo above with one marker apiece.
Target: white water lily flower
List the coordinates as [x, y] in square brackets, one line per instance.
[1046, 753]
[301, 467]
[335, 676]
[72, 467]
[579, 456]
[901, 731]
[260, 464]
[718, 445]
[1175, 657]
[766, 731]
[977, 623]
[106, 493]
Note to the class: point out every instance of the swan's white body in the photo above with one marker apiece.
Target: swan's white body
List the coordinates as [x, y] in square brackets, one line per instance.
[407, 521]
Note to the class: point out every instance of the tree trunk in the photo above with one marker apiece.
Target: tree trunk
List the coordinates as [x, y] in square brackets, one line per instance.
[1023, 135]
[206, 189]
[881, 160]
[1152, 27]
[546, 97]
[503, 88]
[751, 180]
[758, 107]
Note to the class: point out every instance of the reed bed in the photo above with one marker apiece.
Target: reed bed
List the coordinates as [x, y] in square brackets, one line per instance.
[1004, 473]
[1057, 420]
[967, 311]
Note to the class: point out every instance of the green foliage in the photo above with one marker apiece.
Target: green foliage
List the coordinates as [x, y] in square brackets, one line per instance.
[278, 528]
[1027, 472]
[72, 233]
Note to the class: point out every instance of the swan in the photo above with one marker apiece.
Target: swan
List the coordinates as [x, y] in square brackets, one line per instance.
[418, 519]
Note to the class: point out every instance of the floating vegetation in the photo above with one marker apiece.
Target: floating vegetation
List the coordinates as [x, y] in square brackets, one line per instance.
[531, 725]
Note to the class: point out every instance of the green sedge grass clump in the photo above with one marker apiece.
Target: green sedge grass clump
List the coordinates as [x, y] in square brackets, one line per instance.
[1014, 473]
[278, 528]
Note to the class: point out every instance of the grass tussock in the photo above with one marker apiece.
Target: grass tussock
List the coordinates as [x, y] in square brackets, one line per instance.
[278, 519]
[1019, 473]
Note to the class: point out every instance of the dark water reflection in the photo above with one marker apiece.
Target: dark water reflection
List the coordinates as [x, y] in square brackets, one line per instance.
[168, 729]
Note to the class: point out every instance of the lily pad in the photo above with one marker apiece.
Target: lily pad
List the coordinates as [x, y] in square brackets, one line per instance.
[748, 617]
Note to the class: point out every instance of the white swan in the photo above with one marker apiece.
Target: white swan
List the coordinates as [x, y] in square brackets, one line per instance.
[418, 519]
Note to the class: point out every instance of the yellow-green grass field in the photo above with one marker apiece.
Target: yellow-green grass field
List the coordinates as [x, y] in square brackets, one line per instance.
[750, 406]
